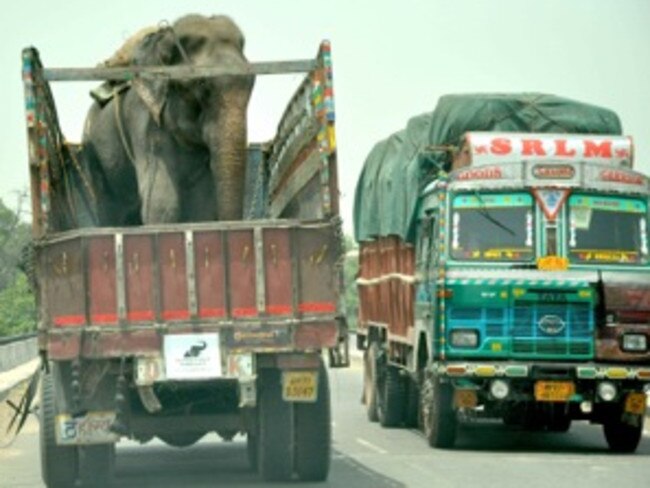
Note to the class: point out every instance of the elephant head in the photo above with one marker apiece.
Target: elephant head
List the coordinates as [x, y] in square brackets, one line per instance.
[203, 113]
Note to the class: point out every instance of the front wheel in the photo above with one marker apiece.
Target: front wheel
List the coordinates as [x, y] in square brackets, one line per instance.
[622, 436]
[438, 414]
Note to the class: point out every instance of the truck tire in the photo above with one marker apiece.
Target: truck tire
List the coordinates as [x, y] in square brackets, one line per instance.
[313, 434]
[180, 440]
[59, 464]
[412, 410]
[438, 414]
[370, 381]
[621, 436]
[97, 465]
[252, 451]
[275, 455]
[391, 407]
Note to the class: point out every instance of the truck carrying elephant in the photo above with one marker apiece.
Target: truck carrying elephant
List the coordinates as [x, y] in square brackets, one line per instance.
[157, 318]
[160, 150]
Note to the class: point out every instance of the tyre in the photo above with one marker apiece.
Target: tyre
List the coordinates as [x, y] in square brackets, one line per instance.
[59, 464]
[252, 448]
[275, 455]
[412, 410]
[370, 381]
[391, 407]
[621, 436]
[313, 434]
[97, 465]
[438, 414]
[181, 439]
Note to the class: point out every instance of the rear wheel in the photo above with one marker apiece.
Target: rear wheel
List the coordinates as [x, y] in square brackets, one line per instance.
[275, 455]
[313, 434]
[391, 407]
[252, 448]
[412, 411]
[621, 436]
[59, 464]
[438, 414]
[96, 465]
[181, 439]
[370, 381]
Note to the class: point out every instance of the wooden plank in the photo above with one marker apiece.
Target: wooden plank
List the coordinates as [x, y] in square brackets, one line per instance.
[176, 72]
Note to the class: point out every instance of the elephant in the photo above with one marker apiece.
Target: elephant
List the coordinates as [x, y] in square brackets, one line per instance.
[163, 150]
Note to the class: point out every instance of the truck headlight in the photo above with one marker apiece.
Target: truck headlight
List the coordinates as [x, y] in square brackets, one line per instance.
[607, 391]
[635, 342]
[499, 389]
[464, 338]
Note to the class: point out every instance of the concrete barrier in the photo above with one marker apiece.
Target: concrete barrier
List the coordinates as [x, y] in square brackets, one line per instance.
[14, 353]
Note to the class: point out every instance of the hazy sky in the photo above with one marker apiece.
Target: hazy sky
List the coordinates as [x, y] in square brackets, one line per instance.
[392, 60]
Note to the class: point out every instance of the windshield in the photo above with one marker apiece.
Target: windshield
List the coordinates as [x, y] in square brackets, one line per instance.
[605, 229]
[492, 227]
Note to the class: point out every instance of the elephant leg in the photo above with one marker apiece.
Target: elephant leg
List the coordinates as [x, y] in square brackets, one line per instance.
[160, 202]
[197, 198]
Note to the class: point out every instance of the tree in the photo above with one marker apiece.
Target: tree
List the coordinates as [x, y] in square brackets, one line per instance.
[17, 307]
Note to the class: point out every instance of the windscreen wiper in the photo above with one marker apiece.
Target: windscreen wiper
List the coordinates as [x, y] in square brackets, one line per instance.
[486, 214]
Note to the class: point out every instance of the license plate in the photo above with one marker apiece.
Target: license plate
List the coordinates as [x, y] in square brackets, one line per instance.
[554, 391]
[635, 403]
[465, 398]
[299, 386]
[92, 428]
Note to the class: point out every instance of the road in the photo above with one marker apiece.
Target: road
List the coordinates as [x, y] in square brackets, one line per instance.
[365, 455]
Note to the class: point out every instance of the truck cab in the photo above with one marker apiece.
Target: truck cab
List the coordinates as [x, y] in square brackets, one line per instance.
[533, 290]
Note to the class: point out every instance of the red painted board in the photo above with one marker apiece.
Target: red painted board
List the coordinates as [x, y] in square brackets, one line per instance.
[101, 280]
[241, 263]
[138, 272]
[173, 276]
[210, 274]
[277, 267]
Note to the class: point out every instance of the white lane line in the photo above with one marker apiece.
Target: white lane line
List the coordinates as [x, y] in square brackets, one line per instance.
[371, 446]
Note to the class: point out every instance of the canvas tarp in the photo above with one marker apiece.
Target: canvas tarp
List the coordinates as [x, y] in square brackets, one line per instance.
[398, 167]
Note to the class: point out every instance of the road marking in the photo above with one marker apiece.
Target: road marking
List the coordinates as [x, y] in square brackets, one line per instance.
[371, 446]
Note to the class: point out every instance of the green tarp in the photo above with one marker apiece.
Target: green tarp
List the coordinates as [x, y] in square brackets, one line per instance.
[398, 167]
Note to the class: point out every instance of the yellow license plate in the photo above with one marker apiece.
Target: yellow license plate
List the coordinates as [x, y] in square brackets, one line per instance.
[465, 398]
[554, 391]
[299, 386]
[635, 403]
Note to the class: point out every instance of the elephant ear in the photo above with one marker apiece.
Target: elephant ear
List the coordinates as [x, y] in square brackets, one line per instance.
[156, 49]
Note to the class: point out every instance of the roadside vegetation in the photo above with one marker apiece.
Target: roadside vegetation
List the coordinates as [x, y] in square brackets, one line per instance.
[17, 307]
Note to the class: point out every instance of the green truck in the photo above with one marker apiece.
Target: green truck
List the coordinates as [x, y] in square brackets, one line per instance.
[504, 270]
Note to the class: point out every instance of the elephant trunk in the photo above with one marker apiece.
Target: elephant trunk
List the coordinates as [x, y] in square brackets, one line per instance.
[227, 140]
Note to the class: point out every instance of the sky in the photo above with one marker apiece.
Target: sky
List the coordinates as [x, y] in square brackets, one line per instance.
[392, 60]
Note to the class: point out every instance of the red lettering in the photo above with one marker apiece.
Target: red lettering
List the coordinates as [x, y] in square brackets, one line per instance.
[561, 149]
[500, 146]
[532, 147]
[593, 149]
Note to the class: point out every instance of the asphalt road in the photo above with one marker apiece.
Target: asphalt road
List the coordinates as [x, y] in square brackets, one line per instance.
[365, 455]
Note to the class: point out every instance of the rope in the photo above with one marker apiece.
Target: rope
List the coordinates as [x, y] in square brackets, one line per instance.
[120, 127]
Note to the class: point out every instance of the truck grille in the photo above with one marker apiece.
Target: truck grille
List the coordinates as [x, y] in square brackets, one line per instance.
[570, 333]
[562, 329]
